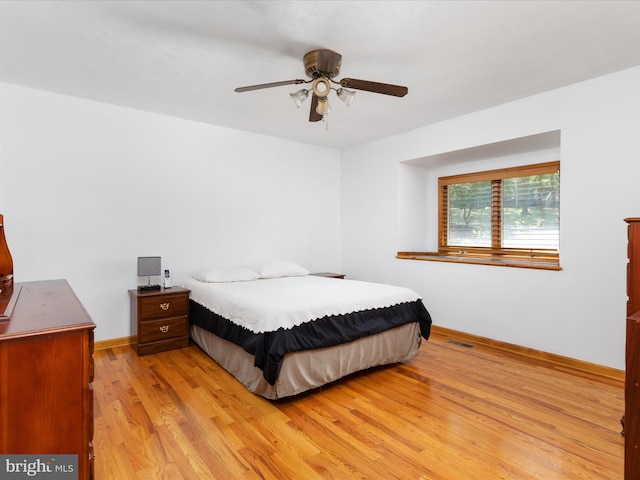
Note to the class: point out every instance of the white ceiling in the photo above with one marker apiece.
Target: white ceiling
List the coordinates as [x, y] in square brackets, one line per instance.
[184, 58]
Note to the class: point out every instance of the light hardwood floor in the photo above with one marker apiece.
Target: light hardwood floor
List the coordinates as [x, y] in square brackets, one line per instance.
[452, 413]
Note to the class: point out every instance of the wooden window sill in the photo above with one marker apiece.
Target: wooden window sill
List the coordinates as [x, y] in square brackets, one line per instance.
[498, 261]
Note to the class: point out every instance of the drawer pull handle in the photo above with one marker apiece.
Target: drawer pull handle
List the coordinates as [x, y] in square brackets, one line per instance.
[164, 328]
[164, 306]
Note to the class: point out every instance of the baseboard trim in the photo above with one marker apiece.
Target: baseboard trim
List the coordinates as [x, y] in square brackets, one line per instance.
[558, 360]
[114, 342]
[448, 333]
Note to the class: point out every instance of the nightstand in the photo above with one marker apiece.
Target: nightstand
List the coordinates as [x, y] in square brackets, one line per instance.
[328, 274]
[159, 319]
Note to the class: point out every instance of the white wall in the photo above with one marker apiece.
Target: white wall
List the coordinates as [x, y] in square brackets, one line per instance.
[86, 188]
[578, 312]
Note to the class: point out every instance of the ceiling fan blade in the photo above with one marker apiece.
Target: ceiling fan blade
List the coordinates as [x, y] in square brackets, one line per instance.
[269, 85]
[376, 87]
[313, 115]
[329, 62]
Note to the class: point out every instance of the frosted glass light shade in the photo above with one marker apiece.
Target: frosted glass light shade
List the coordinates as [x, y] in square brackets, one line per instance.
[323, 107]
[346, 95]
[299, 97]
[321, 87]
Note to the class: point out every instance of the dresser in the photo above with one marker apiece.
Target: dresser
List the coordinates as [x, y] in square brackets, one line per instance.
[632, 355]
[159, 319]
[46, 370]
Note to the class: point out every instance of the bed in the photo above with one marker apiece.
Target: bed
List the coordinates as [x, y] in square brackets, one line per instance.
[282, 331]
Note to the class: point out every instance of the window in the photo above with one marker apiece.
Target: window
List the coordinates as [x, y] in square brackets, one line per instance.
[507, 217]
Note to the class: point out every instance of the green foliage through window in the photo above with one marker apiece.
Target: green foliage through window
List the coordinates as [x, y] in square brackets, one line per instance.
[505, 209]
[469, 214]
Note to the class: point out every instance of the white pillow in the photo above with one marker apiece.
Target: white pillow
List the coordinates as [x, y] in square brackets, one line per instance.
[280, 269]
[222, 275]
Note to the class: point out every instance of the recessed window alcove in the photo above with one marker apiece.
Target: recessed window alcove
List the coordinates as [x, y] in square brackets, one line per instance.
[418, 201]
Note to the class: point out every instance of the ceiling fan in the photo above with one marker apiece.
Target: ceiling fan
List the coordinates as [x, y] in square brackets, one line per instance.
[321, 66]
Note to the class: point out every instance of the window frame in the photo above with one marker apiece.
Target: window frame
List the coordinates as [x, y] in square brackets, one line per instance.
[496, 254]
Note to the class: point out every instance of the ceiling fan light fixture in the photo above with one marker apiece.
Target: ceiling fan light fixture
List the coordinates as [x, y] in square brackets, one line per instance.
[323, 107]
[321, 87]
[346, 95]
[299, 97]
[322, 67]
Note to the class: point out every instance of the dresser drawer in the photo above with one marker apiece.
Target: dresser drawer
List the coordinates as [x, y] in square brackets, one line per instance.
[163, 329]
[163, 306]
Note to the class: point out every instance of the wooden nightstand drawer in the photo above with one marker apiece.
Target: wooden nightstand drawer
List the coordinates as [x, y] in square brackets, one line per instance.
[163, 329]
[163, 306]
[159, 320]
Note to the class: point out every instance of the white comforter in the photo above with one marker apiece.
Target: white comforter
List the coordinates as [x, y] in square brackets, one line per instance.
[266, 305]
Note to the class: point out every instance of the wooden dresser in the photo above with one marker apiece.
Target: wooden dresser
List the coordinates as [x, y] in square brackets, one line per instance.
[159, 319]
[632, 355]
[46, 370]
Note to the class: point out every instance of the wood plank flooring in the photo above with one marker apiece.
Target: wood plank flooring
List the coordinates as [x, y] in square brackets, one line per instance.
[451, 413]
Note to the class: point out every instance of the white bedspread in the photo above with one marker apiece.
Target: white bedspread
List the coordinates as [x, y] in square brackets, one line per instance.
[268, 304]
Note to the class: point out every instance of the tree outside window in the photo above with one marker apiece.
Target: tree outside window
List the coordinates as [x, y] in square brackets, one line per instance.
[507, 212]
